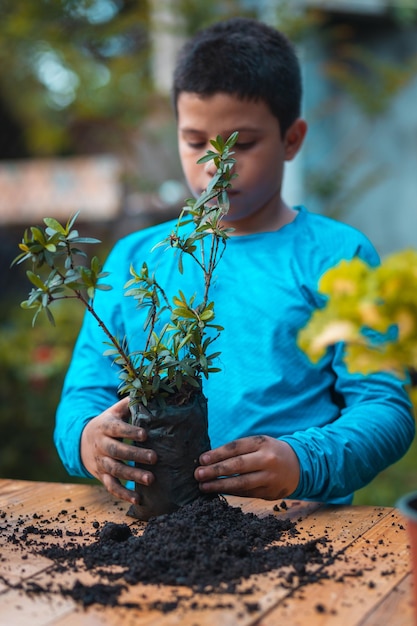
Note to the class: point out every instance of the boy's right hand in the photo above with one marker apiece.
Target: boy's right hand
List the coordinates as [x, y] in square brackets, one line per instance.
[104, 455]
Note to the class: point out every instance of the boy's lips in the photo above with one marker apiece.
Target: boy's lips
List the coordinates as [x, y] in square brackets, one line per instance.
[230, 193]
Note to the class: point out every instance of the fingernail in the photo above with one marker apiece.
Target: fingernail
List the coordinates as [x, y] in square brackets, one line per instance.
[148, 479]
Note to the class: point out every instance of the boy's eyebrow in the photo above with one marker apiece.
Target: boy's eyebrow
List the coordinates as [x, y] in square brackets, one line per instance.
[190, 130]
[226, 133]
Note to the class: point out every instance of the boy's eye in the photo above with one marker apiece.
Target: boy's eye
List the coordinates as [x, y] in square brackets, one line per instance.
[244, 145]
[196, 145]
[199, 145]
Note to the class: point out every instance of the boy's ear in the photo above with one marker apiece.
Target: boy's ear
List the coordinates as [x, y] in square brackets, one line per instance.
[294, 138]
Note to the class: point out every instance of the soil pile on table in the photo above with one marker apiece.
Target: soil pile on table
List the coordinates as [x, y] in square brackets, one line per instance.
[207, 545]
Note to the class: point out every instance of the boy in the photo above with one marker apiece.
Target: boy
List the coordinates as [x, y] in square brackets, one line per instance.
[279, 426]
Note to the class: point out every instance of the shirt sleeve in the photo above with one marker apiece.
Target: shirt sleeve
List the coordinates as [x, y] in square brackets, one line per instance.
[373, 431]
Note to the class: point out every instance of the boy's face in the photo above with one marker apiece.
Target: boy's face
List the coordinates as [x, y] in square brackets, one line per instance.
[260, 153]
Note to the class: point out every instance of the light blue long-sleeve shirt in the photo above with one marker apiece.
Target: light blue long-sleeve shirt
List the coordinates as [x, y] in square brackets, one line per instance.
[344, 428]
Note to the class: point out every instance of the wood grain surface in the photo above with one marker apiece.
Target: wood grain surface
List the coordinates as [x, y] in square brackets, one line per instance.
[366, 583]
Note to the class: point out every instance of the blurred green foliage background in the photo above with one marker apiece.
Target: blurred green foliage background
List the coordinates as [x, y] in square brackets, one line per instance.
[32, 365]
[390, 485]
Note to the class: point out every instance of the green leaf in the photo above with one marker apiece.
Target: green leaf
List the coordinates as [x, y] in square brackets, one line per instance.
[38, 234]
[184, 341]
[55, 225]
[179, 301]
[71, 221]
[95, 265]
[156, 381]
[180, 264]
[206, 315]
[207, 157]
[183, 312]
[89, 240]
[191, 381]
[102, 287]
[26, 304]
[230, 142]
[20, 258]
[218, 143]
[110, 352]
[36, 280]
[213, 356]
[50, 316]
[36, 316]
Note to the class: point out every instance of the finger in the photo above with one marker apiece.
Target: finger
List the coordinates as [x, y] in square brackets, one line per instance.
[234, 448]
[122, 471]
[117, 429]
[121, 409]
[125, 452]
[252, 484]
[245, 464]
[114, 487]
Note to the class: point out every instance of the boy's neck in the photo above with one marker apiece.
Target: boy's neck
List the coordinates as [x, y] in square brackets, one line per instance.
[264, 220]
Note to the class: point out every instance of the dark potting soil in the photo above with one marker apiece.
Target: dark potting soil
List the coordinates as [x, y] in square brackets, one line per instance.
[207, 546]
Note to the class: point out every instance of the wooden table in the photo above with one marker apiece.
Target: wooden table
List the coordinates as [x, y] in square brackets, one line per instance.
[369, 584]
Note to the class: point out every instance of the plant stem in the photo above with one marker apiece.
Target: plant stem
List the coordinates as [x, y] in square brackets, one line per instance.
[117, 345]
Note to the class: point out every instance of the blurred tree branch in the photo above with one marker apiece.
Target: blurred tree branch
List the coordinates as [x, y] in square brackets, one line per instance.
[65, 63]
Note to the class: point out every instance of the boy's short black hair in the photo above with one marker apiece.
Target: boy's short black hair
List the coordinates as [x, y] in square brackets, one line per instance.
[244, 57]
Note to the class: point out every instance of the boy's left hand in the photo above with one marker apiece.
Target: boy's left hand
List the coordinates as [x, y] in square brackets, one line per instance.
[257, 467]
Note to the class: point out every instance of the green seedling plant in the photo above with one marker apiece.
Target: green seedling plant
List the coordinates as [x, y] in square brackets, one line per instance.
[170, 366]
